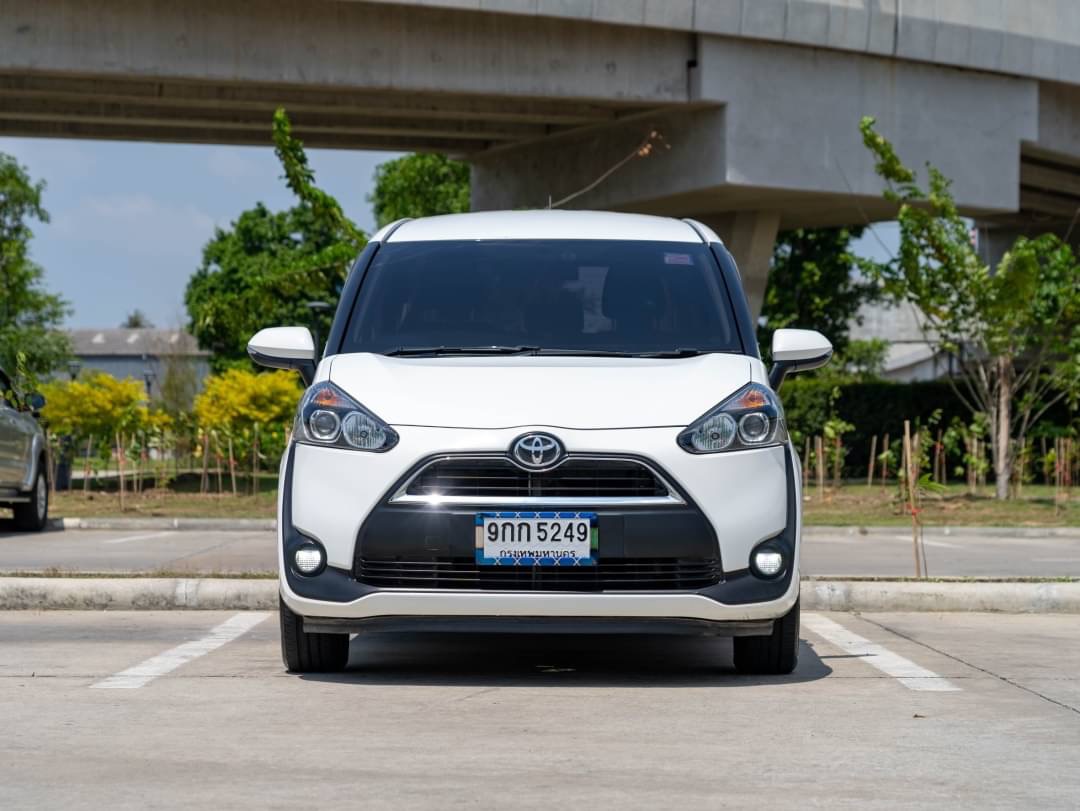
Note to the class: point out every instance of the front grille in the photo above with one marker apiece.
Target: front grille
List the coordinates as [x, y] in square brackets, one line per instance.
[500, 478]
[613, 574]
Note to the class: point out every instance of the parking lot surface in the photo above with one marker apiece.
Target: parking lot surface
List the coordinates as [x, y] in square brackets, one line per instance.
[147, 709]
[824, 552]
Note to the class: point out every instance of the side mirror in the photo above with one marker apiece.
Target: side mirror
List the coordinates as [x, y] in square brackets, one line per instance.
[285, 348]
[796, 350]
[35, 402]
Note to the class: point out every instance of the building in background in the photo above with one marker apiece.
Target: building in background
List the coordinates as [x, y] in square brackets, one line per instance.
[909, 357]
[160, 358]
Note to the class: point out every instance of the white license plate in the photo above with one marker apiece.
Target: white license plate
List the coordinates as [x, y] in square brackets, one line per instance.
[536, 538]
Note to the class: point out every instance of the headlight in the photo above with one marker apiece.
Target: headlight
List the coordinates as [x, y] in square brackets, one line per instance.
[329, 417]
[750, 418]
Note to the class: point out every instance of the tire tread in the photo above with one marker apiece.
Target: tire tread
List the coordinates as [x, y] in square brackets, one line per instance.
[304, 652]
[775, 654]
[25, 514]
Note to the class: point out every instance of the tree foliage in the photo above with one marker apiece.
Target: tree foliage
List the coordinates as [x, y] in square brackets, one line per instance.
[814, 284]
[30, 316]
[137, 319]
[300, 178]
[254, 411]
[261, 272]
[98, 405]
[420, 185]
[237, 400]
[1015, 329]
[264, 269]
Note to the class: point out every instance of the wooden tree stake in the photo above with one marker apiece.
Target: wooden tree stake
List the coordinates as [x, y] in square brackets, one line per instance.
[232, 467]
[884, 461]
[819, 450]
[909, 474]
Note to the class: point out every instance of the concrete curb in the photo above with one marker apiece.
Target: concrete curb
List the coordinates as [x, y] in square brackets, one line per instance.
[179, 524]
[162, 593]
[945, 532]
[138, 593]
[1003, 597]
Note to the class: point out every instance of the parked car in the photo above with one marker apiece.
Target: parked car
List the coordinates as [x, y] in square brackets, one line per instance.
[541, 420]
[24, 486]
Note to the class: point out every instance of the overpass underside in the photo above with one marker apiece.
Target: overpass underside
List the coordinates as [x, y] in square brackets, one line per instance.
[755, 133]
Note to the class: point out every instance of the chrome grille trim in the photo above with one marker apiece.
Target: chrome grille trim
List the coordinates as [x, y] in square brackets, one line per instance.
[671, 498]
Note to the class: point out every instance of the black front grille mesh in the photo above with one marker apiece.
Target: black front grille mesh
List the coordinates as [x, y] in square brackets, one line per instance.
[643, 574]
[582, 478]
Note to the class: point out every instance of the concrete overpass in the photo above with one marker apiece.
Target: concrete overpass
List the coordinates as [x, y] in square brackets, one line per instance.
[758, 100]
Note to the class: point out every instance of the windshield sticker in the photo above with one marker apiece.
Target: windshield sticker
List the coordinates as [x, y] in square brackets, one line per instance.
[678, 259]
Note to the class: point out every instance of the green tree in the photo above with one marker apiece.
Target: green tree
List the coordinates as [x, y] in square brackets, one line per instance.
[419, 185]
[264, 269]
[814, 284]
[261, 272]
[30, 316]
[137, 319]
[1014, 329]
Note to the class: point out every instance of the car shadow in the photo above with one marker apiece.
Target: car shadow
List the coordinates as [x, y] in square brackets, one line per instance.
[554, 660]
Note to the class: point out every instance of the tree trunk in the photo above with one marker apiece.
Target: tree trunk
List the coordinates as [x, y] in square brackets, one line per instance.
[884, 461]
[1003, 451]
[232, 467]
[86, 465]
[870, 467]
[204, 482]
[120, 466]
[255, 461]
[819, 453]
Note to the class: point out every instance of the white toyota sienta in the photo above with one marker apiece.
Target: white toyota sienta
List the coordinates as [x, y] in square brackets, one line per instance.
[540, 420]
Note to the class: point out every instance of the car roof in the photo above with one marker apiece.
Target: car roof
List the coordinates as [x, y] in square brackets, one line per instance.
[543, 224]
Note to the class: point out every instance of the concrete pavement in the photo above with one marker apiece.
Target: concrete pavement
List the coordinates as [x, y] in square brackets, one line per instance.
[136, 550]
[884, 711]
[826, 551]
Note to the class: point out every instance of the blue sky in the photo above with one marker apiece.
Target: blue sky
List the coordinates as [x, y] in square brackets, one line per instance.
[129, 219]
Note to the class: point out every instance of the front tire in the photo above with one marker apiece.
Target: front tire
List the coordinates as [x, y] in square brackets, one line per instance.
[775, 654]
[310, 653]
[34, 514]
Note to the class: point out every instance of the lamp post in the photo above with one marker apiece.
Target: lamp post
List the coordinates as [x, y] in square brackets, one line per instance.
[73, 368]
[316, 308]
[149, 376]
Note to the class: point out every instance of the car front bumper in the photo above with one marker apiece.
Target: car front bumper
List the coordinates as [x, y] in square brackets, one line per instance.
[743, 498]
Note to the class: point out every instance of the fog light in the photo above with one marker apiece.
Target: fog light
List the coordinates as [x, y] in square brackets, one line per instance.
[768, 562]
[308, 559]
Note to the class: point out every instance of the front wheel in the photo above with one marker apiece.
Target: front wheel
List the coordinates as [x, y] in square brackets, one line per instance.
[775, 654]
[33, 515]
[303, 652]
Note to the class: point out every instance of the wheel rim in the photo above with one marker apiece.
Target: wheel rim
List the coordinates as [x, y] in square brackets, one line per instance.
[41, 497]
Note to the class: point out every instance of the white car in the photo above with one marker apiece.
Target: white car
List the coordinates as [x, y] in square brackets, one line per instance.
[540, 421]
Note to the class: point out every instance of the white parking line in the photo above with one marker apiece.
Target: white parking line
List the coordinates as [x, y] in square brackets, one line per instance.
[138, 537]
[166, 662]
[909, 674]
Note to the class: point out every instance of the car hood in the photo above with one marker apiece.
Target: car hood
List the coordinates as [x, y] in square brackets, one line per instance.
[560, 392]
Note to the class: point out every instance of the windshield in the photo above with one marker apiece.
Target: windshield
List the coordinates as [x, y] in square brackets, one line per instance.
[543, 297]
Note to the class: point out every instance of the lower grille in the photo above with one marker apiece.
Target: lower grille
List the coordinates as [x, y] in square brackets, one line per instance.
[618, 574]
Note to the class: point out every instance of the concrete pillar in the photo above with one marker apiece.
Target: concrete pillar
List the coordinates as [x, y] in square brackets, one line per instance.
[750, 236]
[995, 239]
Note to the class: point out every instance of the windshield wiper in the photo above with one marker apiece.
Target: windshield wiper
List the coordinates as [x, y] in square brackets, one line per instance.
[681, 352]
[413, 351]
[594, 353]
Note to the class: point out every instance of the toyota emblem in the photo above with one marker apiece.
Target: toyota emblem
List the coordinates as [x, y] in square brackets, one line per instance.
[537, 451]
